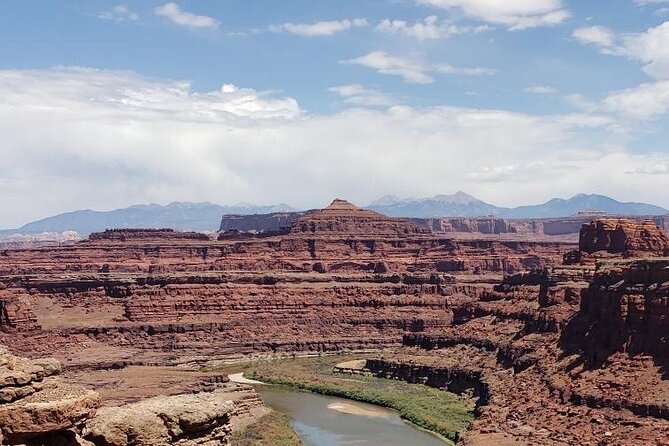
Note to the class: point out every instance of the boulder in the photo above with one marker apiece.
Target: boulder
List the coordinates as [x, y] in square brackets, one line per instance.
[201, 418]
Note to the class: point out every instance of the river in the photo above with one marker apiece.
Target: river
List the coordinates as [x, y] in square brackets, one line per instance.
[329, 421]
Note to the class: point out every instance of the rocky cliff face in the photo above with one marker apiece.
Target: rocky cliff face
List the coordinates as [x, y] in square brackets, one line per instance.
[625, 309]
[36, 406]
[564, 355]
[496, 317]
[188, 420]
[612, 238]
[340, 278]
[625, 237]
[522, 227]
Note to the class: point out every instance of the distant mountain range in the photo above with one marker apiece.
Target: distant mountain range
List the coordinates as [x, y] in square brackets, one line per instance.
[177, 215]
[461, 204]
[207, 216]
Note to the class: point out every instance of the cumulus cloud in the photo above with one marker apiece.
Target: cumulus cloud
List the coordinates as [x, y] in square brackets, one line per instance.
[428, 28]
[174, 13]
[119, 13]
[648, 100]
[104, 139]
[516, 15]
[322, 28]
[648, 47]
[356, 94]
[645, 101]
[411, 70]
[599, 36]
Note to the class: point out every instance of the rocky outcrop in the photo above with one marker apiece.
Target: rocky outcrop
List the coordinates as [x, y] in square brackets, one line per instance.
[615, 238]
[625, 309]
[494, 316]
[563, 355]
[259, 223]
[35, 404]
[626, 237]
[340, 278]
[537, 227]
[121, 235]
[344, 217]
[185, 420]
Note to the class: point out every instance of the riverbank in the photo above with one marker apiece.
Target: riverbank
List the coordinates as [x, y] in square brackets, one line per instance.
[437, 411]
[273, 429]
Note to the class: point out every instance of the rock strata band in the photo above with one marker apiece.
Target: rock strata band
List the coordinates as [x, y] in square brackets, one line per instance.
[561, 341]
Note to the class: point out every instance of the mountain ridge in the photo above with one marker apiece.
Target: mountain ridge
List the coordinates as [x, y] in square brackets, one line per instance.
[461, 204]
[206, 216]
[202, 216]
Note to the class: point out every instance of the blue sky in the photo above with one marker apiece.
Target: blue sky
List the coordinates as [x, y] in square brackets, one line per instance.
[106, 104]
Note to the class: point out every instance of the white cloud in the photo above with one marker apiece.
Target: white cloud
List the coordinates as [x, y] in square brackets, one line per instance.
[428, 28]
[175, 14]
[119, 13]
[514, 14]
[643, 102]
[412, 70]
[649, 47]
[356, 94]
[541, 89]
[646, 101]
[599, 36]
[104, 139]
[657, 168]
[323, 28]
[475, 71]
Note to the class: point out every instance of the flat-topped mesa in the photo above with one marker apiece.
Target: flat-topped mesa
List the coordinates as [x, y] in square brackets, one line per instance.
[121, 235]
[344, 217]
[619, 237]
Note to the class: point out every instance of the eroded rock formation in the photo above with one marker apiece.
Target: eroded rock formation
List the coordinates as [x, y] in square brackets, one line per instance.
[164, 421]
[37, 406]
[497, 317]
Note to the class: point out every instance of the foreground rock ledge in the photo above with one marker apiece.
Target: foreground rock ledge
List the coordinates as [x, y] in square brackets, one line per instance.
[34, 402]
[185, 420]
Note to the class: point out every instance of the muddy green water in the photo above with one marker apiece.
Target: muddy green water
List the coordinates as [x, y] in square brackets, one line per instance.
[319, 425]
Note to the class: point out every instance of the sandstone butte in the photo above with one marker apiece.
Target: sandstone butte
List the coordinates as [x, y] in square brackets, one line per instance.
[561, 343]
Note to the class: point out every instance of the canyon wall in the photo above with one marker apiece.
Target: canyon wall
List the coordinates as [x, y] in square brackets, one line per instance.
[516, 323]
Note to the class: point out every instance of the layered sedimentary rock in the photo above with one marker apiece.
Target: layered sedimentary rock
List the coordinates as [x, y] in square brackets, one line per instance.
[342, 277]
[188, 420]
[454, 226]
[610, 238]
[35, 404]
[623, 237]
[40, 408]
[566, 355]
[497, 317]
[259, 222]
[625, 309]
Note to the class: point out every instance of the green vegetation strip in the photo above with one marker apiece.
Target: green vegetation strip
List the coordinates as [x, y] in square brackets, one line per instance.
[438, 411]
[273, 429]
